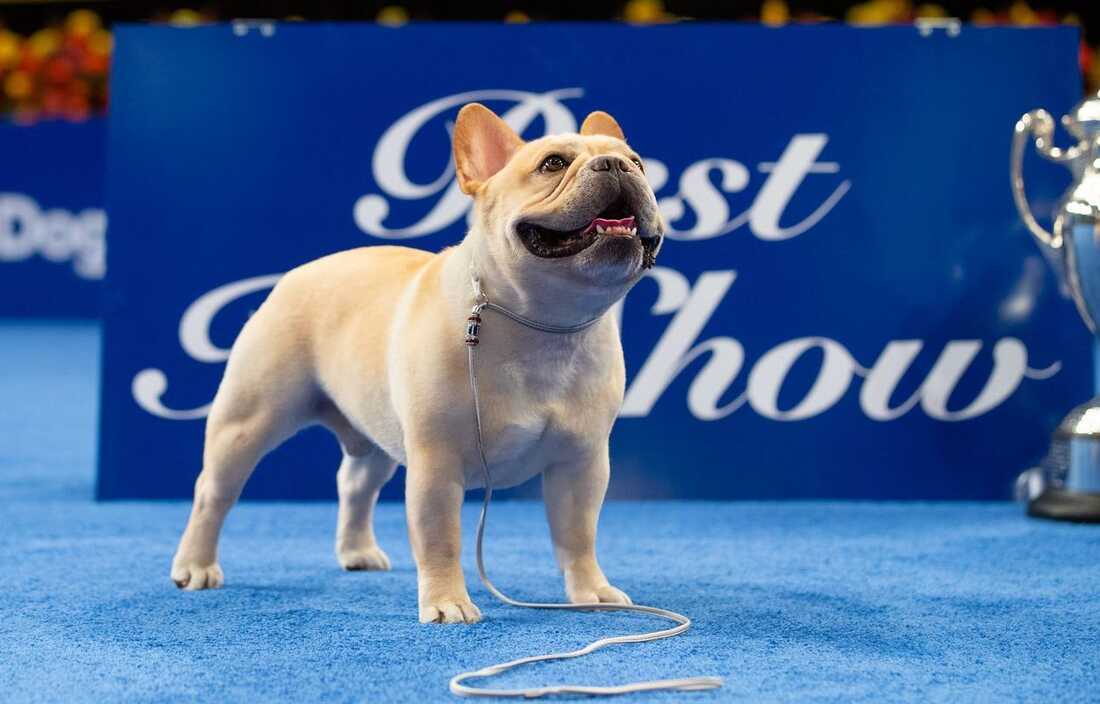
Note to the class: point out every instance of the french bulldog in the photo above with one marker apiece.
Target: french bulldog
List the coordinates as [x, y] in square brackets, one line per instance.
[370, 344]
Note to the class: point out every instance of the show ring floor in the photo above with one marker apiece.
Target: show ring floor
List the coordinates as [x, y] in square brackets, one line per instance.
[792, 602]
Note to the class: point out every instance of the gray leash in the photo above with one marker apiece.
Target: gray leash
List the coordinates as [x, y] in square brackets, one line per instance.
[458, 682]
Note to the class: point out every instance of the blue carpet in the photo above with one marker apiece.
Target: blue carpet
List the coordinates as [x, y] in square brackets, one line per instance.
[793, 602]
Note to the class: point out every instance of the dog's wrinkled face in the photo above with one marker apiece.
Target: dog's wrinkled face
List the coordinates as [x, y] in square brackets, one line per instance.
[578, 203]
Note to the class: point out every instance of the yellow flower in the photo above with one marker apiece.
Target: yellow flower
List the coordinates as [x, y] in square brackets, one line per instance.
[644, 11]
[101, 42]
[81, 23]
[44, 42]
[18, 85]
[774, 13]
[10, 45]
[392, 16]
[185, 17]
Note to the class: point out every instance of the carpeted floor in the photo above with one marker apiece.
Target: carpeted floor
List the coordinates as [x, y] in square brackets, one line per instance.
[795, 602]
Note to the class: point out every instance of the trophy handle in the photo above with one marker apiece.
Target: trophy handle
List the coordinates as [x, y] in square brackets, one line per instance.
[1040, 124]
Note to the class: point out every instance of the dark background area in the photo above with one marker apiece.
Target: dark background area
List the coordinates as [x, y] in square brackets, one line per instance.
[28, 16]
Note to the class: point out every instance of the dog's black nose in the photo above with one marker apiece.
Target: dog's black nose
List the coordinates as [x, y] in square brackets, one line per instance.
[607, 163]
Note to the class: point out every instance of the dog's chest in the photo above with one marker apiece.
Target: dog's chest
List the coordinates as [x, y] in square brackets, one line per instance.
[536, 415]
[519, 444]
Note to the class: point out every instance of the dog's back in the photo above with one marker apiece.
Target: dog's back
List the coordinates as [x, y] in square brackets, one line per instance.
[347, 300]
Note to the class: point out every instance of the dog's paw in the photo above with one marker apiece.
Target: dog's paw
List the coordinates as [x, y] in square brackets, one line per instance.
[373, 558]
[446, 610]
[192, 577]
[606, 594]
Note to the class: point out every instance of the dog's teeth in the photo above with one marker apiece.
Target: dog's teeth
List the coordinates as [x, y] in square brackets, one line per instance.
[600, 229]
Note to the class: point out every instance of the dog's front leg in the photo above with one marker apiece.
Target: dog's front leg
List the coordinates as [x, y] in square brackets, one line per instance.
[574, 493]
[434, 489]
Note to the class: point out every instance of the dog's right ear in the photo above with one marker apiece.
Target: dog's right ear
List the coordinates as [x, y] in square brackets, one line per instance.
[483, 144]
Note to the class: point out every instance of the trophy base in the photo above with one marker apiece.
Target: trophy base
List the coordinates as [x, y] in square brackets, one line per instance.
[1062, 505]
[1066, 487]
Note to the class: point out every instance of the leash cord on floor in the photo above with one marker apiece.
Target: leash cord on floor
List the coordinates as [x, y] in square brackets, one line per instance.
[458, 682]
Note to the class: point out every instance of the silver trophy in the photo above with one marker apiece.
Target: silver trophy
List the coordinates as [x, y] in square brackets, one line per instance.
[1067, 484]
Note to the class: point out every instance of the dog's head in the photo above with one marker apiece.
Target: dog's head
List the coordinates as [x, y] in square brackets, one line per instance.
[572, 207]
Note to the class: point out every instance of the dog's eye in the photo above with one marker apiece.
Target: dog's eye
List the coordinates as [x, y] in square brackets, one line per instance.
[638, 163]
[554, 162]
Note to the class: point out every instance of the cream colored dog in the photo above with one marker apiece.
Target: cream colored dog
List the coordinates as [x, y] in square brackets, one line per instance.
[370, 343]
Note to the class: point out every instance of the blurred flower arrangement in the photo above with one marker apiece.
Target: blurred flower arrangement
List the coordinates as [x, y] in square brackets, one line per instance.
[61, 71]
[58, 72]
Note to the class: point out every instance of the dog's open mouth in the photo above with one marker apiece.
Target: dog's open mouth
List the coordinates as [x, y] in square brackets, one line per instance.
[615, 220]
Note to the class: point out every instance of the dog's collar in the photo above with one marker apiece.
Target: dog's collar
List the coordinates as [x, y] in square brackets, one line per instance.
[481, 302]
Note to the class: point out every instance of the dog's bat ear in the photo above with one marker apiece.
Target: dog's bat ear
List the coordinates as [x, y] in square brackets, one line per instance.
[600, 122]
[483, 144]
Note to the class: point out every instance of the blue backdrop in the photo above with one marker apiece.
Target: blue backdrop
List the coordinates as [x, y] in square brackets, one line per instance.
[847, 306]
[52, 223]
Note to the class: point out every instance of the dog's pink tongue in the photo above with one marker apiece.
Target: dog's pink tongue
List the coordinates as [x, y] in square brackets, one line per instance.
[627, 222]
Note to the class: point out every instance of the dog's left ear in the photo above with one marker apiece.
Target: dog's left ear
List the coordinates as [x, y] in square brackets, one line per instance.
[600, 122]
[483, 144]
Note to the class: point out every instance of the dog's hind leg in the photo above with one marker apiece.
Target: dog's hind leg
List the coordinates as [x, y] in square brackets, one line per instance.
[363, 471]
[233, 447]
[267, 395]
